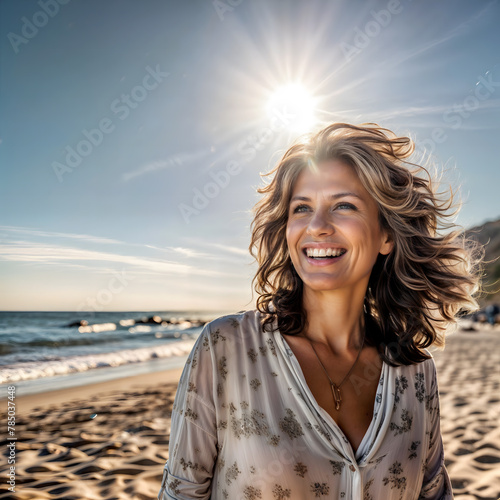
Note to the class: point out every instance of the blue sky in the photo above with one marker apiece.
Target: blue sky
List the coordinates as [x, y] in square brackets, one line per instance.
[133, 133]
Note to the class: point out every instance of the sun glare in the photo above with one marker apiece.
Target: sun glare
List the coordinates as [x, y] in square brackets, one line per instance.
[294, 106]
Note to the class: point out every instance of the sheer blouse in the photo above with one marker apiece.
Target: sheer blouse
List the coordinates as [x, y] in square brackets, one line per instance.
[245, 425]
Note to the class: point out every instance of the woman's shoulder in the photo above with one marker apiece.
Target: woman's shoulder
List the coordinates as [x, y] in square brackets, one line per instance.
[242, 328]
[422, 372]
[428, 365]
[247, 319]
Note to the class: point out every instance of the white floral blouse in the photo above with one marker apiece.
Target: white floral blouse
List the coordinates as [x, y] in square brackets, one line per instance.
[246, 426]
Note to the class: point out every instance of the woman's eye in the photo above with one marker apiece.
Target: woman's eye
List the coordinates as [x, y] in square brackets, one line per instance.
[300, 208]
[341, 206]
[347, 206]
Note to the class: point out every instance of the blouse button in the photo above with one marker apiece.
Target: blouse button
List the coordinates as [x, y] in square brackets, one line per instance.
[352, 468]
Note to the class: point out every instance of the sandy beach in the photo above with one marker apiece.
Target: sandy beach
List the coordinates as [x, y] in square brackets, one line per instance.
[110, 440]
[469, 387]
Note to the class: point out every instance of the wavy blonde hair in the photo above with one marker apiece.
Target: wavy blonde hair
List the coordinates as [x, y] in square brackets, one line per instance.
[417, 291]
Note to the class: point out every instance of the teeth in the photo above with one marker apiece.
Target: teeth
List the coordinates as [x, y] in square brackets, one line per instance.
[324, 252]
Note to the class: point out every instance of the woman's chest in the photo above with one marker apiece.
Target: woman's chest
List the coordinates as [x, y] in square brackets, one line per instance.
[351, 405]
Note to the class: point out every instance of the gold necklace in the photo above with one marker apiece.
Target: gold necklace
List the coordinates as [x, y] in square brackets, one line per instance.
[336, 388]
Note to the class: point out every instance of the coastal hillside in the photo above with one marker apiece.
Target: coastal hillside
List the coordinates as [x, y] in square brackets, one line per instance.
[488, 234]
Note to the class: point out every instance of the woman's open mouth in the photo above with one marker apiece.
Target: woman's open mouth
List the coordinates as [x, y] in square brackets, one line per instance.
[323, 255]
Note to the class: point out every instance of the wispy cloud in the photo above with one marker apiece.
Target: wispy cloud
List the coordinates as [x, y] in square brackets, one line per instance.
[220, 246]
[457, 31]
[432, 110]
[229, 249]
[388, 63]
[185, 252]
[26, 251]
[53, 234]
[174, 161]
[152, 167]
[78, 267]
[175, 251]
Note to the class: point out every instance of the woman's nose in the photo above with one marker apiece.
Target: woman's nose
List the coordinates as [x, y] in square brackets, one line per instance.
[320, 223]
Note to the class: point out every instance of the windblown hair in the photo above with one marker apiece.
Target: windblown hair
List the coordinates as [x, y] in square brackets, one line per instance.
[416, 292]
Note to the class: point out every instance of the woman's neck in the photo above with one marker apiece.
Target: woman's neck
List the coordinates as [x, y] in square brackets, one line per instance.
[334, 319]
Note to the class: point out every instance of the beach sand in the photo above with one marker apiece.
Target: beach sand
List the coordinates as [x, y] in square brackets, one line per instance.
[469, 387]
[64, 453]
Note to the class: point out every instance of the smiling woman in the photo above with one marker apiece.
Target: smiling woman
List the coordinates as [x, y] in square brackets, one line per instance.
[327, 389]
[429, 271]
[331, 212]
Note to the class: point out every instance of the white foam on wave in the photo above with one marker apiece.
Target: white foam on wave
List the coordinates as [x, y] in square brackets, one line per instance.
[140, 329]
[127, 322]
[97, 328]
[35, 370]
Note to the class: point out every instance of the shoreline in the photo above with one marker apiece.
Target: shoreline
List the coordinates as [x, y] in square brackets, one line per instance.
[42, 400]
[77, 380]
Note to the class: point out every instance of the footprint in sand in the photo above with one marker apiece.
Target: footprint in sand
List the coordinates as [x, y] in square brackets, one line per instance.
[88, 469]
[38, 469]
[124, 472]
[107, 482]
[487, 459]
[47, 484]
[463, 451]
[162, 442]
[60, 490]
[146, 462]
[69, 455]
[469, 441]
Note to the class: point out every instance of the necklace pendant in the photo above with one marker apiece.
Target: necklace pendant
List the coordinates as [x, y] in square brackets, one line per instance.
[336, 396]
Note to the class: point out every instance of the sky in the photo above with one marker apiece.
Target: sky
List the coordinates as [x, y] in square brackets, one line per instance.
[133, 134]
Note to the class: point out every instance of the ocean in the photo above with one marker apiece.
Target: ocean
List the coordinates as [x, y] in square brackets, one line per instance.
[41, 351]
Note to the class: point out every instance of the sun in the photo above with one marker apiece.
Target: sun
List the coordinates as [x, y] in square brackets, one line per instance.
[293, 106]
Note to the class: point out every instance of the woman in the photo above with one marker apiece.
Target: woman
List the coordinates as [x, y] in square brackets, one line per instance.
[326, 390]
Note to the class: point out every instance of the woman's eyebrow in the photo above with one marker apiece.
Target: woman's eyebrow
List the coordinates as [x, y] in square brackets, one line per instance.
[332, 196]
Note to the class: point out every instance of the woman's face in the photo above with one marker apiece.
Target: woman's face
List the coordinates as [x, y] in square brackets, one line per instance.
[333, 232]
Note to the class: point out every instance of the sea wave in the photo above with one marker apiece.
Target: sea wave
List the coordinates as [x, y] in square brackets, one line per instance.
[15, 344]
[73, 364]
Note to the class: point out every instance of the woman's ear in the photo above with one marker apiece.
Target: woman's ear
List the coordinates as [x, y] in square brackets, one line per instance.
[387, 244]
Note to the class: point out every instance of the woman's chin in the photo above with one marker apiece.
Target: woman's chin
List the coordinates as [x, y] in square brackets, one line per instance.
[322, 285]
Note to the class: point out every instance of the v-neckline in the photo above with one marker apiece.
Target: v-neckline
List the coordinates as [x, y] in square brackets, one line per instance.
[326, 416]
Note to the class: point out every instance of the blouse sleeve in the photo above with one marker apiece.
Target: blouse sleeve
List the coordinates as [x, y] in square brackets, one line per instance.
[193, 438]
[436, 484]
